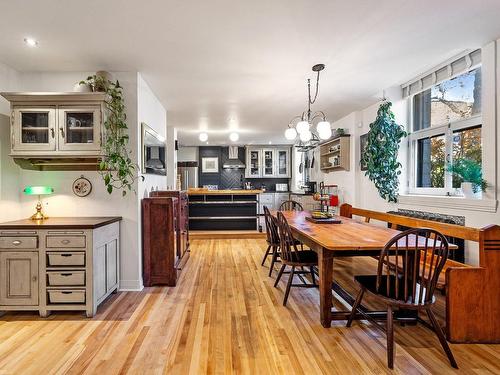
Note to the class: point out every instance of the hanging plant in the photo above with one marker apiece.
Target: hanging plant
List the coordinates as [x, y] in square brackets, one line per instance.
[117, 169]
[381, 153]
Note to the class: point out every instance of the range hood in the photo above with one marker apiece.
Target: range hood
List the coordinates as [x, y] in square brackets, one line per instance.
[233, 162]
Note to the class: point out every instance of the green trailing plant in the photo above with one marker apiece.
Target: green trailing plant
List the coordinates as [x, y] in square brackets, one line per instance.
[117, 169]
[381, 153]
[469, 170]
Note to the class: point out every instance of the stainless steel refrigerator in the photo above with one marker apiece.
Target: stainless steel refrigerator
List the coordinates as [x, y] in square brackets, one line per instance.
[188, 173]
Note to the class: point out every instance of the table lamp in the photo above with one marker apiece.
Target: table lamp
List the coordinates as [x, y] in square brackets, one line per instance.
[38, 190]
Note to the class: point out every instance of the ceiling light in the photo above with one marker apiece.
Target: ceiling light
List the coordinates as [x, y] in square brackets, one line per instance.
[31, 42]
[270, 142]
[305, 136]
[324, 129]
[310, 138]
[290, 134]
[302, 127]
[234, 137]
[203, 137]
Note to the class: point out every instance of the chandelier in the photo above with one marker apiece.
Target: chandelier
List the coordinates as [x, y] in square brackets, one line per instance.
[309, 136]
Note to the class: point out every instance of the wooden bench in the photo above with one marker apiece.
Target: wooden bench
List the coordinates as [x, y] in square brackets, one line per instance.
[472, 293]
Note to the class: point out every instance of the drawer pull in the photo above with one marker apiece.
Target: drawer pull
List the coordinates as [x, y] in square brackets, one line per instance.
[65, 242]
[17, 242]
[66, 255]
[66, 292]
[66, 274]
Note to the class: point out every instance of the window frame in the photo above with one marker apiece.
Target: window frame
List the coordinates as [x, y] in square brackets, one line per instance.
[447, 130]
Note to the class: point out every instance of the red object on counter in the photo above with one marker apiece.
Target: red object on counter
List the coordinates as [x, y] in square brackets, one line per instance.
[334, 200]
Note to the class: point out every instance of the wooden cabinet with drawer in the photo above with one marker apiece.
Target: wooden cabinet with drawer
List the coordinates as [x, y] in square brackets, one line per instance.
[19, 278]
[62, 264]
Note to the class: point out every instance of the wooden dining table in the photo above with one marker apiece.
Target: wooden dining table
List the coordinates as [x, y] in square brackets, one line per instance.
[348, 239]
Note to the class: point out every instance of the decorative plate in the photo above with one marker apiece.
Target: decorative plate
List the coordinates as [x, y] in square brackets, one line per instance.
[82, 187]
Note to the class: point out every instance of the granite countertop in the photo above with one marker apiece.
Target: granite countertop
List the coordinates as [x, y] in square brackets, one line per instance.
[224, 192]
[61, 223]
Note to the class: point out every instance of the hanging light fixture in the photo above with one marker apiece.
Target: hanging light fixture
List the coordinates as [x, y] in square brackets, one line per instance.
[302, 126]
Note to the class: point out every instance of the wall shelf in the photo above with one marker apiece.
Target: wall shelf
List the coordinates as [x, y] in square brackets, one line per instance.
[335, 154]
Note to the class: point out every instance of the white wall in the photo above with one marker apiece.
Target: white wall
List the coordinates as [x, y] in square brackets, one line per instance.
[9, 171]
[141, 105]
[151, 112]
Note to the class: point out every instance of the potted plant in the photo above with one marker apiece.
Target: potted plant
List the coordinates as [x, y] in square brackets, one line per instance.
[471, 176]
[117, 168]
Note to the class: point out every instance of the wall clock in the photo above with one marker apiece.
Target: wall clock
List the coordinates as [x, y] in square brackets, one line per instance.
[82, 187]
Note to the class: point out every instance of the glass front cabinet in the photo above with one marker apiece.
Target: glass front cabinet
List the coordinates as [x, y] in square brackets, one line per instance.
[55, 125]
[79, 128]
[268, 162]
[33, 128]
[283, 163]
[254, 166]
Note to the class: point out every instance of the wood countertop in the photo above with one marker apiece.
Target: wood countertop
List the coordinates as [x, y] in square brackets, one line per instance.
[61, 223]
[224, 192]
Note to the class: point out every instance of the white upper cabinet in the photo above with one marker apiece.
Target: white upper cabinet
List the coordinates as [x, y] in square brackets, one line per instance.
[283, 162]
[33, 128]
[56, 125]
[79, 128]
[254, 163]
[268, 162]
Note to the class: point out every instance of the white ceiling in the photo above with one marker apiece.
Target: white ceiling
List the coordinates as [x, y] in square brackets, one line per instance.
[221, 64]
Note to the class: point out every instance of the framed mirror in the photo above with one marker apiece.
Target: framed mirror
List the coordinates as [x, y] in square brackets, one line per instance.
[153, 152]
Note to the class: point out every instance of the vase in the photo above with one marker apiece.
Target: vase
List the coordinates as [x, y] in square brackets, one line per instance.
[468, 191]
[82, 88]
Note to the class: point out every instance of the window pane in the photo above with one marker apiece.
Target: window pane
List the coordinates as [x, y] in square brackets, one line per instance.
[466, 145]
[451, 100]
[430, 162]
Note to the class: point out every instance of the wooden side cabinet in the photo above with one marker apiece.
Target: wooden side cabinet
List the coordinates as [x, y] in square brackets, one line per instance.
[19, 278]
[58, 267]
[159, 244]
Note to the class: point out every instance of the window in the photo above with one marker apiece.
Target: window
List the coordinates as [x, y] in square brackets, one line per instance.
[446, 124]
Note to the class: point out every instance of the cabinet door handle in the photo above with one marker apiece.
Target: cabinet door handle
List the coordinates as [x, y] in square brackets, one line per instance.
[62, 132]
[52, 132]
[65, 242]
[34, 278]
[17, 242]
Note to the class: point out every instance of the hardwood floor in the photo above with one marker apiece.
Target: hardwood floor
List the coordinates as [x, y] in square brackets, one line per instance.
[223, 317]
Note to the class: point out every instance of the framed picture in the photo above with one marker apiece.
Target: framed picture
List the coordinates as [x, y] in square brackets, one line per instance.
[210, 165]
[362, 147]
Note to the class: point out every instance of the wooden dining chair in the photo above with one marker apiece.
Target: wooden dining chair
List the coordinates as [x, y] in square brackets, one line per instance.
[403, 282]
[291, 205]
[293, 257]
[272, 239]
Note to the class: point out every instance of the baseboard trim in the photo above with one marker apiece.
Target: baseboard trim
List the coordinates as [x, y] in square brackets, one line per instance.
[225, 234]
[131, 286]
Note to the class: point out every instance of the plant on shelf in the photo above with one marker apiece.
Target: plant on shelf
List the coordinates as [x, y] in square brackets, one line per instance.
[381, 153]
[117, 169]
[470, 175]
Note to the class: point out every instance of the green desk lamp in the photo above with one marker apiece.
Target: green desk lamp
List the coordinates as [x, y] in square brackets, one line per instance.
[38, 190]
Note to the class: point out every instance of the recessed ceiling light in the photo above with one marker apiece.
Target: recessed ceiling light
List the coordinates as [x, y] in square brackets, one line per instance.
[203, 137]
[234, 137]
[270, 142]
[30, 42]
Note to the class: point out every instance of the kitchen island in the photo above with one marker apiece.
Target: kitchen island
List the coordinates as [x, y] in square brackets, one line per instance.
[223, 209]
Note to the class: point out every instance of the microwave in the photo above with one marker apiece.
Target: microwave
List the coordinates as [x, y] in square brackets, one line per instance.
[281, 187]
